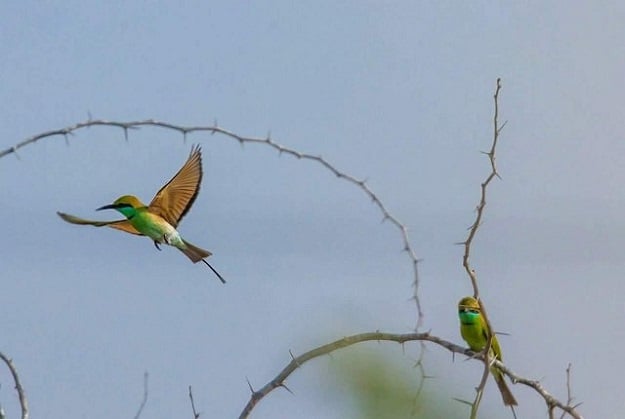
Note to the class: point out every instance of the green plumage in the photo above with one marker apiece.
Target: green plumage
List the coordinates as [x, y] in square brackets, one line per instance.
[159, 220]
[474, 331]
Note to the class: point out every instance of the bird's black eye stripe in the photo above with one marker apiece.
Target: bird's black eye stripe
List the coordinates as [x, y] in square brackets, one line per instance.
[469, 310]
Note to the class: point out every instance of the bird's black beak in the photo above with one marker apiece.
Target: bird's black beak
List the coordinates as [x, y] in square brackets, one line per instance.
[110, 206]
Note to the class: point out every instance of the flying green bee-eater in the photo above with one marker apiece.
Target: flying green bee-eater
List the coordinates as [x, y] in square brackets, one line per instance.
[159, 220]
[474, 331]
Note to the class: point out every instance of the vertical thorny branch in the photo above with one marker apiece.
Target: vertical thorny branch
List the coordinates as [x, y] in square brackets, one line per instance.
[482, 204]
[467, 247]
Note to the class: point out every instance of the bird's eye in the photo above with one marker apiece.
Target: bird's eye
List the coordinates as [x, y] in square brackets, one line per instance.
[469, 310]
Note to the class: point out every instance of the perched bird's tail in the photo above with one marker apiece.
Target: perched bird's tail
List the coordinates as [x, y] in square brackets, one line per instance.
[506, 394]
[197, 254]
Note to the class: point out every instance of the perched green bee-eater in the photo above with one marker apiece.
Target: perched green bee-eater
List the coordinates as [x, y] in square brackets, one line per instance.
[159, 220]
[474, 331]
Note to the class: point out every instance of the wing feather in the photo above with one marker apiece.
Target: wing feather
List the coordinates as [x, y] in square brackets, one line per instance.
[175, 199]
[123, 225]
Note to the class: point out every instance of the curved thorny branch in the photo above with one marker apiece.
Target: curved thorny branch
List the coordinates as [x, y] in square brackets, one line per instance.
[467, 250]
[21, 394]
[215, 129]
[298, 361]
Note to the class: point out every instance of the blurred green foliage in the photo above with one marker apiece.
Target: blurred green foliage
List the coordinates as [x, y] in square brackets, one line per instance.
[384, 387]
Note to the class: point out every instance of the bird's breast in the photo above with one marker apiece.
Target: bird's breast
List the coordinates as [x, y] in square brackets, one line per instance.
[156, 228]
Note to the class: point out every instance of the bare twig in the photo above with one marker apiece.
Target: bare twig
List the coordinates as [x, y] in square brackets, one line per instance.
[423, 376]
[482, 204]
[215, 129]
[569, 393]
[196, 415]
[551, 401]
[18, 385]
[145, 395]
[467, 249]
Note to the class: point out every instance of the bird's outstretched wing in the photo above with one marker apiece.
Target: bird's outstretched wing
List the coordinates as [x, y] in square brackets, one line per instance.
[175, 198]
[123, 225]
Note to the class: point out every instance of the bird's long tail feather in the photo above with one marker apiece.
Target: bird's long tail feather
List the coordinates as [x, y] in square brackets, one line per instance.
[506, 394]
[197, 254]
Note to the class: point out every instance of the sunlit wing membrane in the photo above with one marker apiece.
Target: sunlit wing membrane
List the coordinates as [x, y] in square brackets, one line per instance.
[123, 225]
[175, 198]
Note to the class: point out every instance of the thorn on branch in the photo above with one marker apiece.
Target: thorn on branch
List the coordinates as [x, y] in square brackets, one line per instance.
[286, 388]
[196, 414]
[462, 401]
[250, 386]
[294, 359]
[145, 395]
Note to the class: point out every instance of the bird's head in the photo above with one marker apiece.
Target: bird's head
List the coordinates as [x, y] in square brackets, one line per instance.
[469, 309]
[126, 204]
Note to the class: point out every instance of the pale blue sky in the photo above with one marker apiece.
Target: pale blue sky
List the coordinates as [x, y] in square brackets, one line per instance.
[399, 93]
